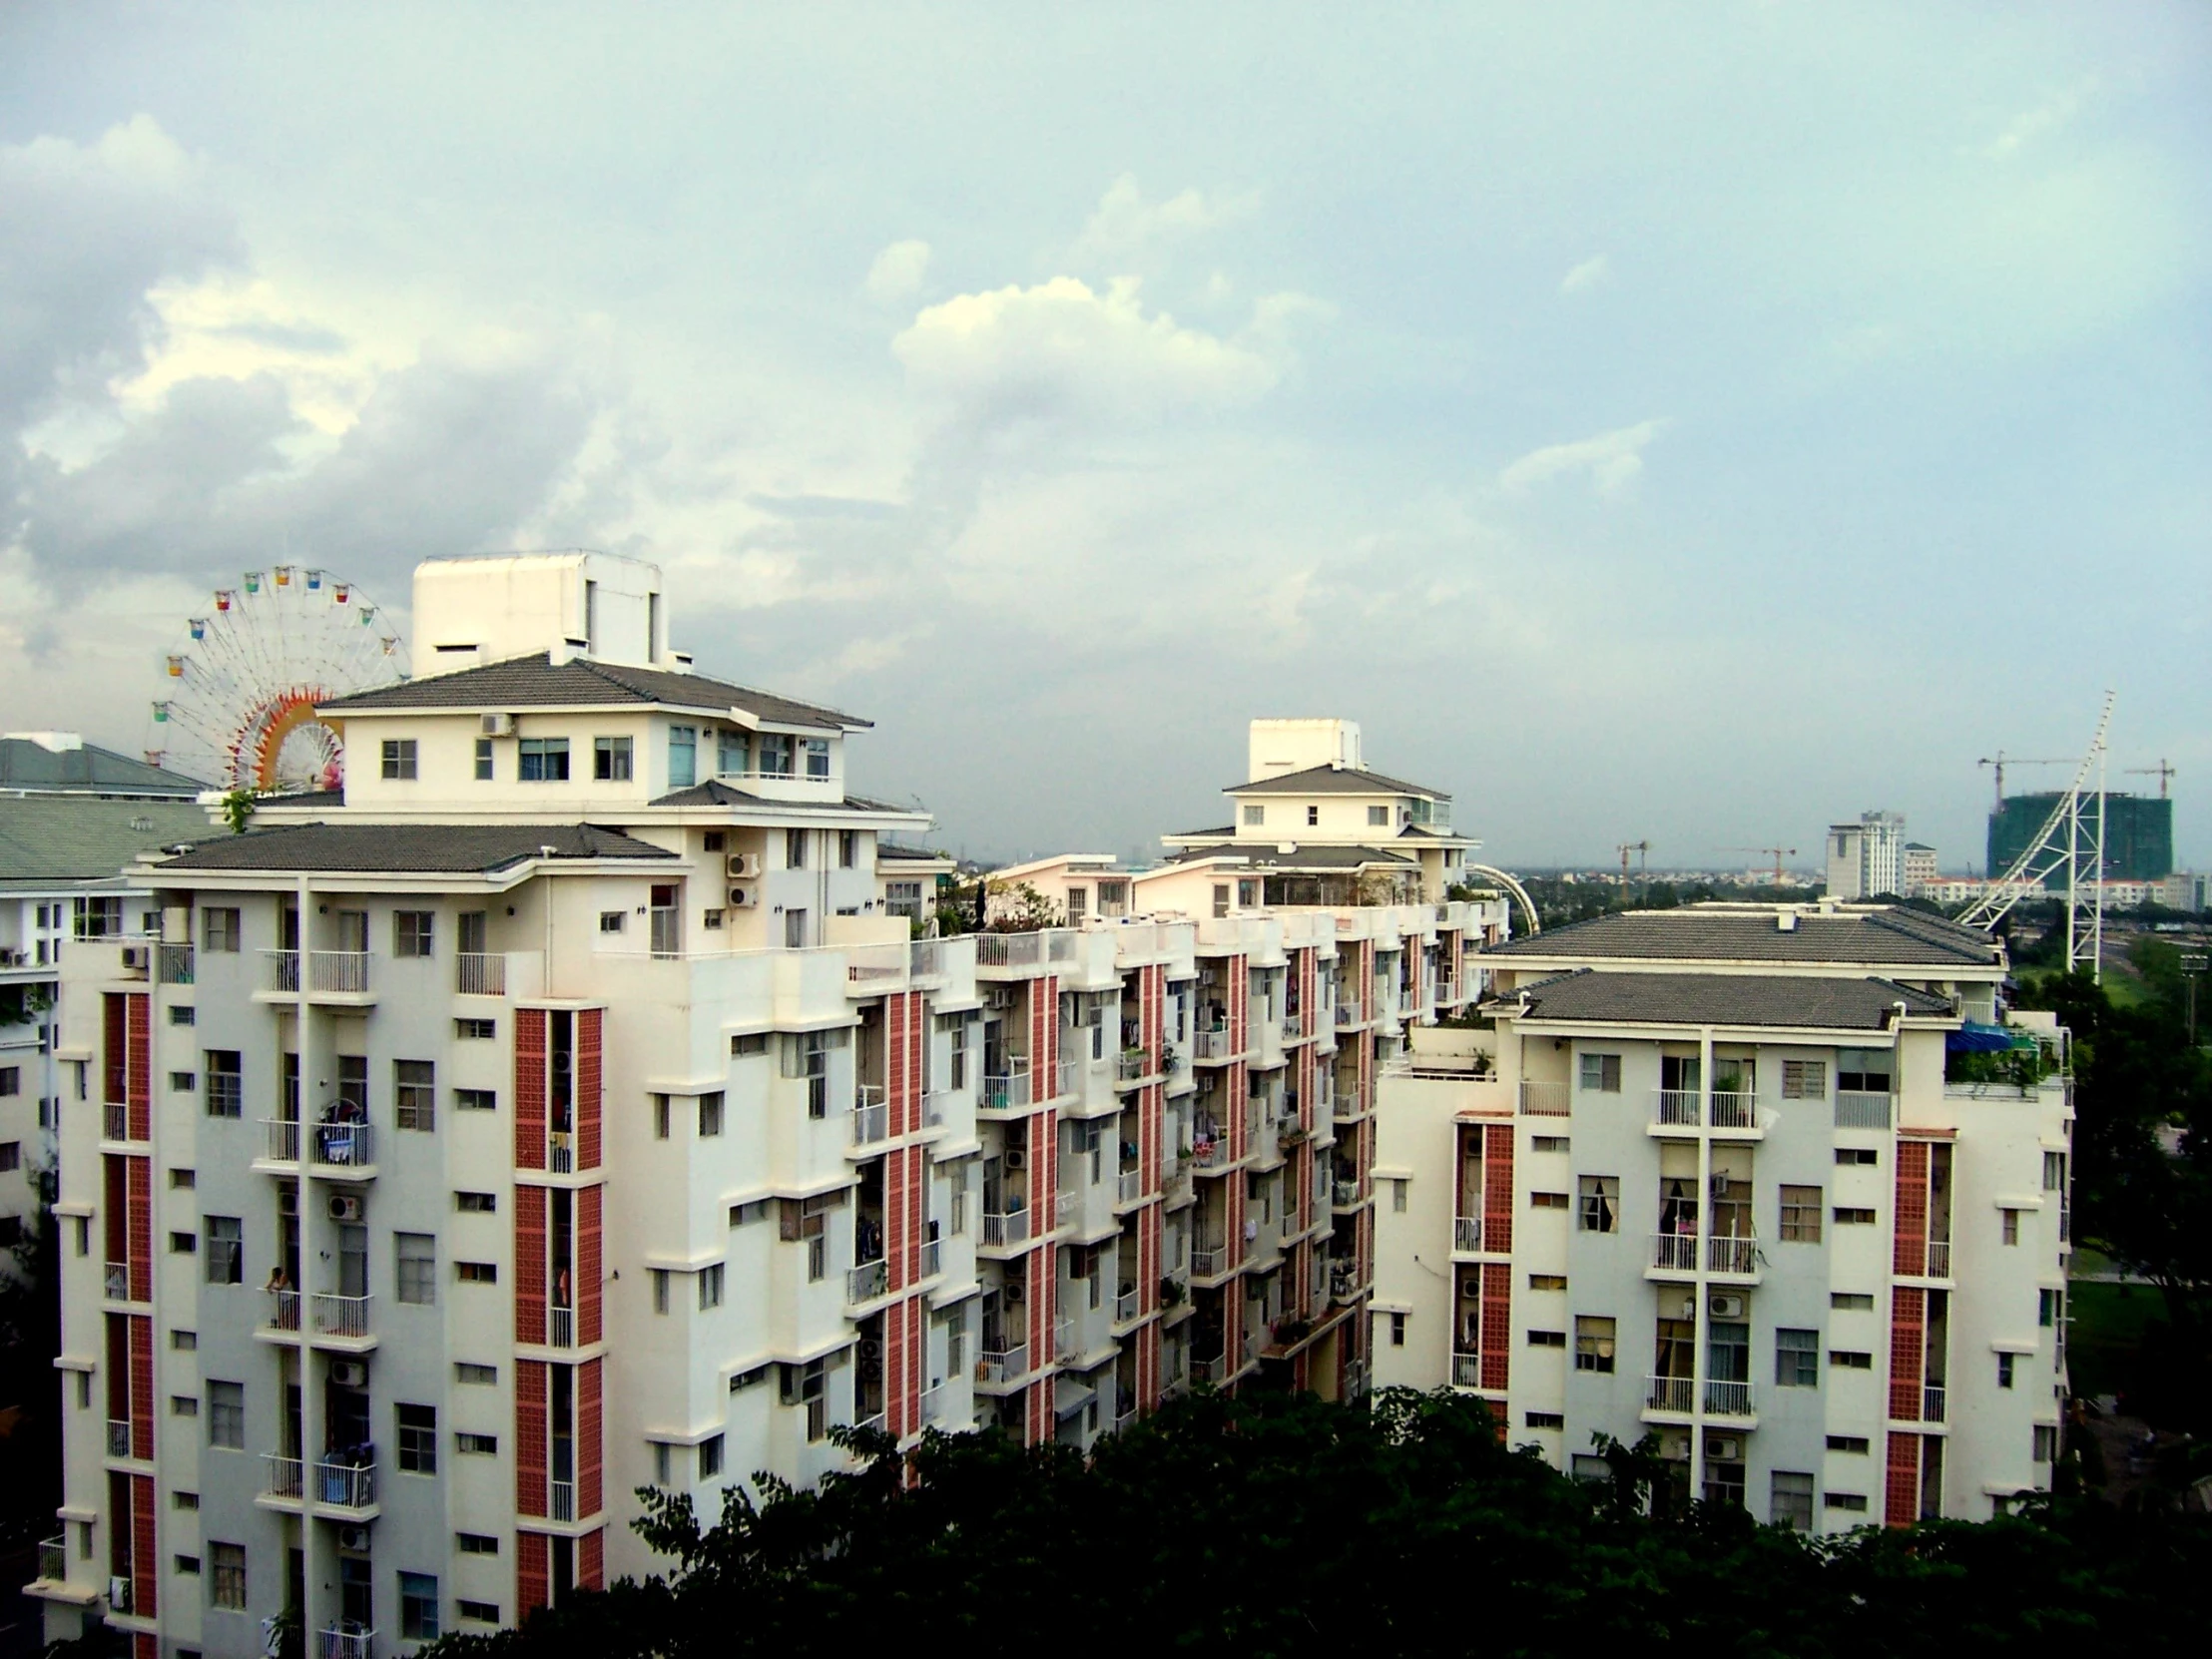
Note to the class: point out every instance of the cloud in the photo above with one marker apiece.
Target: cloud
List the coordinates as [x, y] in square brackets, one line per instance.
[1611, 459]
[1124, 224]
[898, 271]
[2048, 115]
[1584, 277]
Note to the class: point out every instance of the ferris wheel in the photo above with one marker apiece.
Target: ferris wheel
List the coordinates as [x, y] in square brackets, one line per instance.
[239, 713]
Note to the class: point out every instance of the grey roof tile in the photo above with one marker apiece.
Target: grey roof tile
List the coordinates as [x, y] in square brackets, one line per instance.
[51, 838]
[93, 771]
[1888, 938]
[535, 682]
[715, 793]
[400, 849]
[1800, 1000]
[1333, 780]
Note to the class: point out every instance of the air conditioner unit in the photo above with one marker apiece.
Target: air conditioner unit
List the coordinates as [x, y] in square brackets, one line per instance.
[287, 1199]
[498, 726]
[870, 1348]
[1015, 1288]
[345, 1206]
[133, 956]
[1726, 1447]
[1725, 1306]
[1016, 1158]
[350, 1374]
[354, 1539]
[743, 866]
[1000, 997]
[743, 898]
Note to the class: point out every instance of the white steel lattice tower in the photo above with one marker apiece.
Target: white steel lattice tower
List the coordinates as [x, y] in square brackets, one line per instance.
[2071, 841]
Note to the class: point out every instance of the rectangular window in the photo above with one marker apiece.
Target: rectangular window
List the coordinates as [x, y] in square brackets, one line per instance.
[542, 760]
[1853, 1217]
[226, 1583]
[227, 1416]
[180, 1244]
[226, 1250]
[476, 1272]
[1548, 1143]
[1864, 1156]
[1855, 1301]
[475, 1100]
[1601, 1073]
[483, 759]
[476, 1543]
[2046, 1442]
[1601, 1201]
[1547, 1281]
[2004, 1370]
[1398, 1330]
[1855, 1445]
[419, 1608]
[659, 1103]
[1850, 1503]
[412, 933]
[181, 1082]
[2054, 1171]
[1864, 1070]
[478, 1612]
[613, 922]
[710, 1457]
[610, 760]
[849, 848]
[1398, 1187]
[817, 757]
[1850, 1358]
[710, 1113]
[660, 1289]
[2048, 1309]
[1790, 1500]
[185, 1342]
[1378, 818]
[475, 1376]
[476, 1031]
[183, 1406]
[1548, 1201]
[1593, 1343]
[476, 1204]
[710, 1286]
[776, 755]
[476, 1446]
[1545, 1419]
[416, 1278]
[418, 1438]
[794, 849]
[1805, 1080]
[1221, 899]
[416, 1094]
[733, 753]
[1547, 1339]
[1801, 1214]
[179, 1014]
[1796, 1359]
[226, 1096]
[2009, 1223]
[749, 1046]
[400, 758]
[1255, 815]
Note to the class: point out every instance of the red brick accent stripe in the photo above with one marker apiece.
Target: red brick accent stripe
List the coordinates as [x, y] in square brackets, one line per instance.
[142, 1386]
[1498, 1187]
[589, 1453]
[1498, 1323]
[590, 1084]
[146, 1558]
[530, 1265]
[1900, 1488]
[591, 1560]
[533, 1573]
[529, 1088]
[1912, 1209]
[1907, 1346]
[139, 1081]
[138, 1179]
[530, 1437]
[590, 1263]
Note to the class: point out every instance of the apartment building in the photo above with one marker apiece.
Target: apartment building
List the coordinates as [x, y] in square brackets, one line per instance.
[72, 815]
[569, 1108]
[1708, 1179]
[1867, 860]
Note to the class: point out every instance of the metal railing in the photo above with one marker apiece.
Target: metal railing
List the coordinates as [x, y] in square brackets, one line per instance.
[1348, 1014]
[1025, 949]
[932, 1258]
[1213, 1154]
[1931, 1402]
[53, 1559]
[345, 1485]
[283, 970]
[283, 1311]
[1130, 1065]
[1127, 1305]
[1680, 1107]
[345, 1641]
[1728, 1399]
[1939, 1258]
[1009, 1228]
[344, 1145]
[867, 1281]
[1003, 1092]
[1467, 1371]
[560, 1152]
[172, 963]
[872, 1115]
[1466, 1232]
[1345, 1194]
[1002, 1365]
[116, 1281]
[1207, 1262]
[1294, 1026]
[114, 1121]
[1671, 1394]
[1676, 1252]
[1543, 1100]
[560, 1328]
[1064, 1345]
[1736, 1253]
[1861, 1108]
[1215, 1370]
[119, 1436]
[481, 973]
[1130, 1187]
[282, 1475]
[340, 1316]
[342, 971]
[560, 1500]
[284, 1140]
[1213, 1045]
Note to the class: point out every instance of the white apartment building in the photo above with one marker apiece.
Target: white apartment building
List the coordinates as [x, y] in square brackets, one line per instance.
[1706, 1179]
[1867, 860]
[568, 1109]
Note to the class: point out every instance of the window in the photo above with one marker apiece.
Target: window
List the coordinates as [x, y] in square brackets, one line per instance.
[400, 758]
[1248, 894]
[1601, 1204]
[184, 1342]
[2046, 1442]
[478, 1612]
[179, 1014]
[807, 1055]
[1805, 1080]
[476, 1031]
[1398, 1330]
[542, 761]
[1545, 1419]
[733, 751]
[418, 1438]
[476, 1446]
[1548, 1143]
[483, 759]
[418, 1606]
[1854, 1218]
[2009, 1225]
[1852, 1502]
[1312, 817]
[711, 920]
[611, 921]
[1850, 1358]
[2004, 1370]
[1858, 1155]
[1378, 818]
[227, 1416]
[776, 755]
[710, 1286]
[1856, 1302]
[710, 1113]
[1796, 1359]
[1790, 1500]
[475, 1543]
[849, 848]
[710, 1457]
[1547, 1281]
[2048, 1309]
[1856, 1446]
[1398, 1187]
[1547, 1339]
[1255, 815]
[749, 1046]
[1593, 1343]
[184, 1500]
[180, 1244]
[610, 761]
[226, 1250]
[412, 933]
[794, 849]
[1548, 1201]
[1864, 1070]
[1801, 1215]
[414, 1094]
[807, 1386]
[475, 1100]
[1601, 1073]
[179, 1082]
[660, 1289]
[1221, 899]
[476, 1272]
[744, 1215]
[471, 1375]
[817, 757]
[417, 1268]
[11, 1157]
[660, 1116]
[96, 919]
[476, 1204]
[2054, 1171]
[227, 1586]
[183, 1406]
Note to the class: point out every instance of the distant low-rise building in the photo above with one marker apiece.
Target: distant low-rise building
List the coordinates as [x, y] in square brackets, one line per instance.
[1917, 866]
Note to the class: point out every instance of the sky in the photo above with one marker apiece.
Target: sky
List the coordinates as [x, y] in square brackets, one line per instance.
[1684, 424]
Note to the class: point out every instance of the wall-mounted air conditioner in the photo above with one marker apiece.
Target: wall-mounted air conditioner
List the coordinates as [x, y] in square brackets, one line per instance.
[350, 1374]
[1015, 1288]
[745, 899]
[345, 1206]
[498, 726]
[133, 956]
[1016, 1158]
[1726, 1307]
[354, 1538]
[1726, 1447]
[743, 866]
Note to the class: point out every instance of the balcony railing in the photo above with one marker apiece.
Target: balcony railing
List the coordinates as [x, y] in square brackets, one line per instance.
[1207, 1262]
[560, 1152]
[1466, 1232]
[342, 1315]
[1728, 1399]
[1858, 1109]
[1735, 1110]
[1215, 1370]
[345, 1145]
[281, 972]
[345, 1641]
[872, 1115]
[282, 1136]
[867, 1281]
[2065, 1222]
[1002, 1365]
[1065, 1345]
[1130, 1186]
[119, 1436]
[1345, 1194]
[933, 1107]
[481, 973]
[172, 963]
[1543, 1100]
[1679, 1107]
[1931, 1402]
[1212, 1152]
[1676, 1252]
[1348, 1014]
[1216, 1045]
[1025, 949]
[1671, 1394]
[1009, 1228]
[933, 1404]
[281, 1475]
[1732, 1253]
[1071, 1075]
[1126, 1307]
[560, 1328]
[1130, 1065]
[342, 971]
[1939, 1258]
[932, 1258]
[560, 1500]
[53, 1559]
[114, 1121]
[345, 1485]
[116, 1281]
[1006, 1091]
[283, 1311]
[1467, 1371]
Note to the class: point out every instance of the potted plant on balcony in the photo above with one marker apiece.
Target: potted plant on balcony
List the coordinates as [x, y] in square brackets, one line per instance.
[1171, 1293]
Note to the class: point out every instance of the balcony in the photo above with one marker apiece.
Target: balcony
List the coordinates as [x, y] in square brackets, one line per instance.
[329, 973]
[1685, 1109]
[345, 1485]
[1467, 1371]
[1215, 1044]
[1732, 1253]
[1004, 1091]
[1127, 1305]
[1212, 1152]
[1348, 1014]
[1674, 1251]
[560, 1328]
[280, 1140]
[872, 1115]
[1939, 1258]
[1066, 1349]
[344, 1145]
[1726, 1400]
[1344, 1195]
[283, 1311]
[934, 1104]
[1346, 1104]
[1130, 1065]
[1294, 1026]
[1005, 1230]
[932, 1258]
[344, 1640]
[1215, 1370]
[1209, 1263]
[481, 973]
[1931, 1402]
[560, 1152]
[1002, 1366]
[1543, 1100]
[172, 963]
[345, 1317]
[1466, 1232]
[866, 1282]
[119, 1436]
[1071, 1075]
[116, 1281]
[1858, 1109]
[560, 1500]
[933, 1404]
[53, 1560]
[1671, 1394]
[1129, 1186]
[114, 1121]
[1679, 1108]
[280, 1476]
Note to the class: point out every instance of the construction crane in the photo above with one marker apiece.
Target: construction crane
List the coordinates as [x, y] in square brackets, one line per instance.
[1778, 852]
[1624, 850]
[2163, 772]
[2002, 760]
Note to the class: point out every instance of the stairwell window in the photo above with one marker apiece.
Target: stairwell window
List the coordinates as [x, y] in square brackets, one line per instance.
[610, 760]
[400, 758]
[226, 1250]
[1801, 1214]
[710, 1113]
[1601, 1202]
[542, 760]
[227, 1584]
[226, 1096]
[416, 1094]
[227, 1416]
[683, 757]
[2008, 1222]
[418, 1438]
[1790, 1500]
[710, 1286]
[417, 1264]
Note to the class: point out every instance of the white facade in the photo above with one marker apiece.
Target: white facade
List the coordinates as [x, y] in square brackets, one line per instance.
[1867, 860]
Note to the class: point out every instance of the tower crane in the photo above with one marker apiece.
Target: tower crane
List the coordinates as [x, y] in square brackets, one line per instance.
[2002, 760]
[1778, 854]
[2163, 772]
[1624, 850]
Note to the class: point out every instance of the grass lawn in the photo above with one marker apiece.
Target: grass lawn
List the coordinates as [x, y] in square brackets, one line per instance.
[2107, 1332]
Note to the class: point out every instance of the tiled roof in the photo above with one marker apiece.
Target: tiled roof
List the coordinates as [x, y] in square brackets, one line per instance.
[715, 793]
[1799, 1000]
[1886, 937]
[91, 770]
[537, 683]
[400, 848]
[1226, 832]
[50, 838]
[1268, 856]
[1333, 780]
